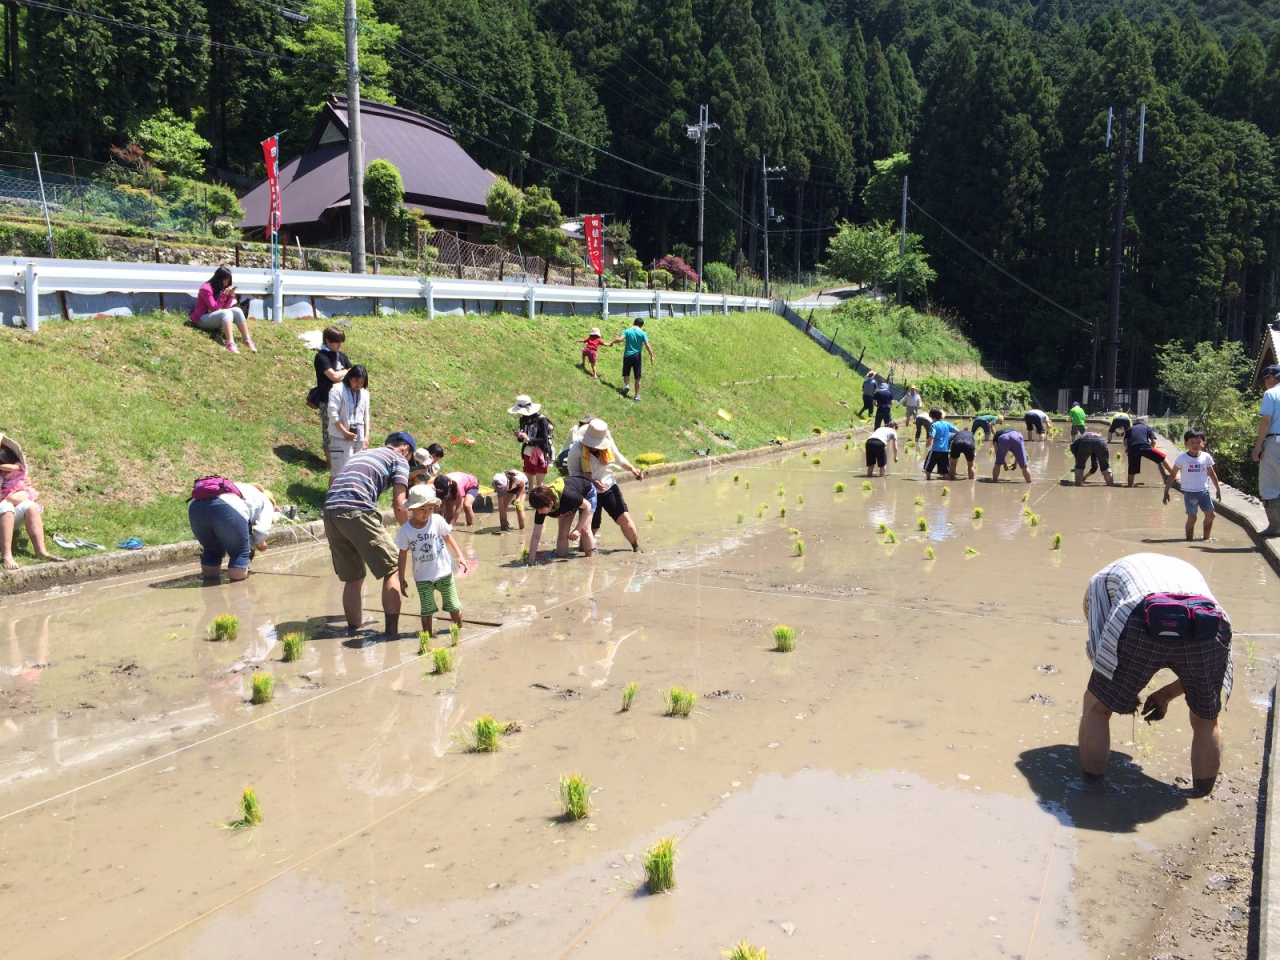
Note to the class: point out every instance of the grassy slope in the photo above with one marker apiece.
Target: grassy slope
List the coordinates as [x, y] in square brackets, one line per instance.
[118, 416]
[899, 339]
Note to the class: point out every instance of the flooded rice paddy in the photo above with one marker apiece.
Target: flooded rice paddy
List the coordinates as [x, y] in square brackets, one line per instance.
[899, 786]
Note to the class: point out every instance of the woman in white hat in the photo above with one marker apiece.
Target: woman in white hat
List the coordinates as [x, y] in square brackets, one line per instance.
[534, 434]
[591, 343]
[593, 457]
[19, 503]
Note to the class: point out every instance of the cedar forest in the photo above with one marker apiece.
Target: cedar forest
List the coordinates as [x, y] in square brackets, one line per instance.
[997, 110]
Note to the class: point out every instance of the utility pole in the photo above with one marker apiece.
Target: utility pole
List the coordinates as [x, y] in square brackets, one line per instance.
[765, 170]
[902, 241]
[355, 146]
[1112, 362]
[699, 133]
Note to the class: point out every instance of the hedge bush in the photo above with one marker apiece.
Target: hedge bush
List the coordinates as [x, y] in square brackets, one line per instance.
[969, 396]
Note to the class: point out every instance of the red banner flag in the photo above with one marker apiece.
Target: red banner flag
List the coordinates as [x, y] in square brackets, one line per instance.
[593, 227]
[271, 154]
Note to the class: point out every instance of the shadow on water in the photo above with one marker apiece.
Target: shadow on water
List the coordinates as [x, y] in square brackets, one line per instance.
[1130, 798]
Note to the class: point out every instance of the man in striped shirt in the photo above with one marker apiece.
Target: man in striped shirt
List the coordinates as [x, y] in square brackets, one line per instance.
[1125, 656]
[358, 543]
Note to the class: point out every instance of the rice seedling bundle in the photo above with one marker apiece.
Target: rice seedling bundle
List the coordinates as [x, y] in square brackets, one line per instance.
[784, 639]
[678, 702]
[629, 695]
[575, 797]
[660, 865]
[293, 646]
[263, 687]
[224, 627]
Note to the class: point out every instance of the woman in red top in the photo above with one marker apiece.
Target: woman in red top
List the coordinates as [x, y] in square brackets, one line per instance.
[592, 342]
[216, 309]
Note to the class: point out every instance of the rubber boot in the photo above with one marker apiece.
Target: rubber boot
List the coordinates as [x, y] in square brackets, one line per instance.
[1273, 517]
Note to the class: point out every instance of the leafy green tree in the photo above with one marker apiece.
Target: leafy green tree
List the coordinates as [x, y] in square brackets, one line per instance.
[882, 196]
[541, 225]
[172, 143]
[1204, 380]
[384, 194]
[503, 204]
[870, 255]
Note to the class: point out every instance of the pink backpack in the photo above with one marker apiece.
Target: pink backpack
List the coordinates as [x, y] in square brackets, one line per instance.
[210, 488]
[1175, 617]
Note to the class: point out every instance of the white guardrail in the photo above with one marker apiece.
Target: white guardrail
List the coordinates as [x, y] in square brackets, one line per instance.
[29, 279]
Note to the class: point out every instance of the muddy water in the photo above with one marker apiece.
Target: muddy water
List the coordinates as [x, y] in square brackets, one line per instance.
[899, 786]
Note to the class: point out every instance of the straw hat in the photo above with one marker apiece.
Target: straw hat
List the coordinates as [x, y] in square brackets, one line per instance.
[12, 444]
[525, 407]
[421, 495]
[596, 435]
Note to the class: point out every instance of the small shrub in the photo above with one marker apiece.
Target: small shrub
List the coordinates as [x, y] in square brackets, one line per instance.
[784, 639]
[575, 797]
[629, 695]
[678, 702]
[1057, 541]
[293, 646]
[977, 513]
[799, 548]
[250, 810]
[922, 524]
[424, 643]
[224, 627]
[263, 685]
[839, 488]
[660, 865]
[442, 658]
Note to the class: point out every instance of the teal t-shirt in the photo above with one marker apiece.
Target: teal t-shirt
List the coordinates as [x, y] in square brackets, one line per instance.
[635, 340]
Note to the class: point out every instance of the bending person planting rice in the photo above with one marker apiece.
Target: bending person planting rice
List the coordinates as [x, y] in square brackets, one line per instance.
[457, 490]
[572, 501]
[1009, 441]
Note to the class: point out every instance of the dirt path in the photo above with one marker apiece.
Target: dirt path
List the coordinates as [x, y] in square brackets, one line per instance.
[899, 786]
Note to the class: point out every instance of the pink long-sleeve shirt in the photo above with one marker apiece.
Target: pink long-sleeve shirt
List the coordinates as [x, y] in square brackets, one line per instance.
[206, 302]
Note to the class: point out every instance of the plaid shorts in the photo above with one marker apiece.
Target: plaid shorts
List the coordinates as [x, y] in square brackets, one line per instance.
[448, 595]
[1200, 665]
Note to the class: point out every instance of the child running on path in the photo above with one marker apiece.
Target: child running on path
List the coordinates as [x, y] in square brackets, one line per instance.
[592, 342]
[1196, 466]
[426, 537]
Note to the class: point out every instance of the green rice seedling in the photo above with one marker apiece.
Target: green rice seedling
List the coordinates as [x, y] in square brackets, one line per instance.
[1057, 541]
[735, 478]
[760, 512]
[484, 735]
[922, 524]
[799, 548]
[660, 865]
[977, 513]
[1026, 512]
[782, 511]
[794, 532]
[524, 553]
[746, 485]
[455, 634]
[840, 488]
[745, 951]
[919, 501]
[628, 695]
[671, 482]
[882, 527]
[782, 491]
[741, 516]
[442, 657]
[866, 485]
[263, 685]
[1024, 497]
[575, 797]
[800, 498]
[848, 436]
[649, 513]
[890, 537]
[1251, 652]
[224, 627]
[815, 461]
[970, 552]
[847, 446]
[293, 646]
[804, 453]
[929, 554]
[946, 491]
[424, 643]
[784, 639]
[1035, 519]
[678, 702]
[250, 810]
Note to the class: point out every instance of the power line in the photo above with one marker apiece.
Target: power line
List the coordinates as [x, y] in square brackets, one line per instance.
[992, 263]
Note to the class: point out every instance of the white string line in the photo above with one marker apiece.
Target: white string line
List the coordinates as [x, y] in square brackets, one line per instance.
[868, 603]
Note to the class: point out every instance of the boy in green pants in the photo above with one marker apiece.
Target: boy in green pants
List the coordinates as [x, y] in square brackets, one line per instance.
[426, 536]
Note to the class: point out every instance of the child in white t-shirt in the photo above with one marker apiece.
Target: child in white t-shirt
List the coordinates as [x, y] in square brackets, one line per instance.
[1196, 467]
[426, 537]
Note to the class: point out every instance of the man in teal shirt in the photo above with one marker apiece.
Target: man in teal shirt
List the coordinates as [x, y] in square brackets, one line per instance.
[635, 339]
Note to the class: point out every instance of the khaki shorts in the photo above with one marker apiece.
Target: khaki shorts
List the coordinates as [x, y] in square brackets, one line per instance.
[357, 540]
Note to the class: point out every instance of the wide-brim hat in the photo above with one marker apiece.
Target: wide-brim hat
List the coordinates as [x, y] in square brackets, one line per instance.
[525, 407]
[12, 444]
[596, 435]
[595, 331]
[421, 495]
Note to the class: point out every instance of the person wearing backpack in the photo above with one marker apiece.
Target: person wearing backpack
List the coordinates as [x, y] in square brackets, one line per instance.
[229, 520]
[1147, 612]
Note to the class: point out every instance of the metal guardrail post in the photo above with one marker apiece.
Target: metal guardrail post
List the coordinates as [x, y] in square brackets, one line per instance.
[697, 304]
[428, 294]
[529, 297]
[604, 303]
[277, 298]
[31, 287]
[657, 303]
